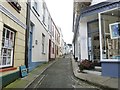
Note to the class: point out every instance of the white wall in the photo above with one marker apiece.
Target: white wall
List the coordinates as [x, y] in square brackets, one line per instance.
[37, 55]
[83, 40]
[76, 48]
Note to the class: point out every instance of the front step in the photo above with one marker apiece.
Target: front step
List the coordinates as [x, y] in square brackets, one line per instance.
[97, 68]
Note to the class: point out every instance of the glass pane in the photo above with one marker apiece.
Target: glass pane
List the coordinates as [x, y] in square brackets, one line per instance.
[0, 60]
[4, 32]
[5, 52]
[9, 53]
[3, 41]
[11, 36]
[110, 35]
[8, 60]
[8, 34]
[6, 43]
[4, 61]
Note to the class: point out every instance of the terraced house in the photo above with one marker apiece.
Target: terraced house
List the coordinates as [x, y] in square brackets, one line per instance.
[38, 34]
[12, 39]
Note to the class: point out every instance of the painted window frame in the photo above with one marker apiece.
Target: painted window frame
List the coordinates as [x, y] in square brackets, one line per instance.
[7, 50]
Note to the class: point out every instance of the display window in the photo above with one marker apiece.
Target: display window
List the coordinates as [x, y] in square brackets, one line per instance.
[7, 48]
[110, 34]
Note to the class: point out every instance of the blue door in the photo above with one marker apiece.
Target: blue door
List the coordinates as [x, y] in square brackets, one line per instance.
[30, 46]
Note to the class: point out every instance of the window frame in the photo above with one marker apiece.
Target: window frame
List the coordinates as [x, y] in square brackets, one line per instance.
[9, 49]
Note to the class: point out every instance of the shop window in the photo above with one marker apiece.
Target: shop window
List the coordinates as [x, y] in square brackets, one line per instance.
[110, 28]
[7, 48]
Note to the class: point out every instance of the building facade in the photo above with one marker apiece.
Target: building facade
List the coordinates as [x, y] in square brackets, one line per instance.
[61, 43]
[28, 36]
[96, 29]
[38, 45]
[12, 39]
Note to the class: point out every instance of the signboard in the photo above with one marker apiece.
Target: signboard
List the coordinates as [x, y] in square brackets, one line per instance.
[23, 71]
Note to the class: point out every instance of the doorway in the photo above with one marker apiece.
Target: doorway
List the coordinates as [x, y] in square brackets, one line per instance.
[93, 41]
[49, 49]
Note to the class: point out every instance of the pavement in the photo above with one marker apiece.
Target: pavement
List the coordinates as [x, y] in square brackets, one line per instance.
[95, 78]
[31, 77]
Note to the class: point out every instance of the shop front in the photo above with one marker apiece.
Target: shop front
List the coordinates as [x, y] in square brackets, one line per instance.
[109, 29]
[101, 36]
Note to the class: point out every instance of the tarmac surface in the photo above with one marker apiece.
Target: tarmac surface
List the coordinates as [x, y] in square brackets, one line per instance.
[63, 73]
[60, 75]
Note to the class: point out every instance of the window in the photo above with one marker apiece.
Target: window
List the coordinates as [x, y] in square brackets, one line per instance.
[52, 47]
[15, 5]
[43, 43]
[110, 35]
[35, 7]
[44, 13]
[7, 48]
[53, 30]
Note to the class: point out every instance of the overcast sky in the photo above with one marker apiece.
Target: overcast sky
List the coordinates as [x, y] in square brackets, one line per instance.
[62, 13]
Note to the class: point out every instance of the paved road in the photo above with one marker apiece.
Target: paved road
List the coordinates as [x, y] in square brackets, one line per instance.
[60, 75]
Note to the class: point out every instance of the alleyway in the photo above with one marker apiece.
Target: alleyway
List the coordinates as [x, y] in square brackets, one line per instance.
[60, 75]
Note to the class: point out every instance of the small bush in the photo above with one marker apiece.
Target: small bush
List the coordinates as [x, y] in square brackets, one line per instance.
[81, 67]
[86, 64]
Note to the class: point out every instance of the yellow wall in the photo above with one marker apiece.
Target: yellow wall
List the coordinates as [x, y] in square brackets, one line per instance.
[19, 50]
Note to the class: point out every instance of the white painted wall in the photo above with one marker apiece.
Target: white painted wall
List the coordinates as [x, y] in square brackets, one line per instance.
[76, 48]
[39, 28]
[37, 55]
[83, 40]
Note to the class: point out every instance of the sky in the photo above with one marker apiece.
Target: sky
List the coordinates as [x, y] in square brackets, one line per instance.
[62, 14]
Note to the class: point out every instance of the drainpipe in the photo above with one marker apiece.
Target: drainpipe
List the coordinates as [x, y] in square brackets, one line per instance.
[74, 50]
[27, 33]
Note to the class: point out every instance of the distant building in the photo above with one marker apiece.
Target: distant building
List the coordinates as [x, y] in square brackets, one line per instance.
[61, 42]
[68, 48]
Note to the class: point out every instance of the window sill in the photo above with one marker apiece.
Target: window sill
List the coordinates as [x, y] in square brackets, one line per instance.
[8, 69]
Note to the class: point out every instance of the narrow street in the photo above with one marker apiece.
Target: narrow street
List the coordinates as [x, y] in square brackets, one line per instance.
[60, 75]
